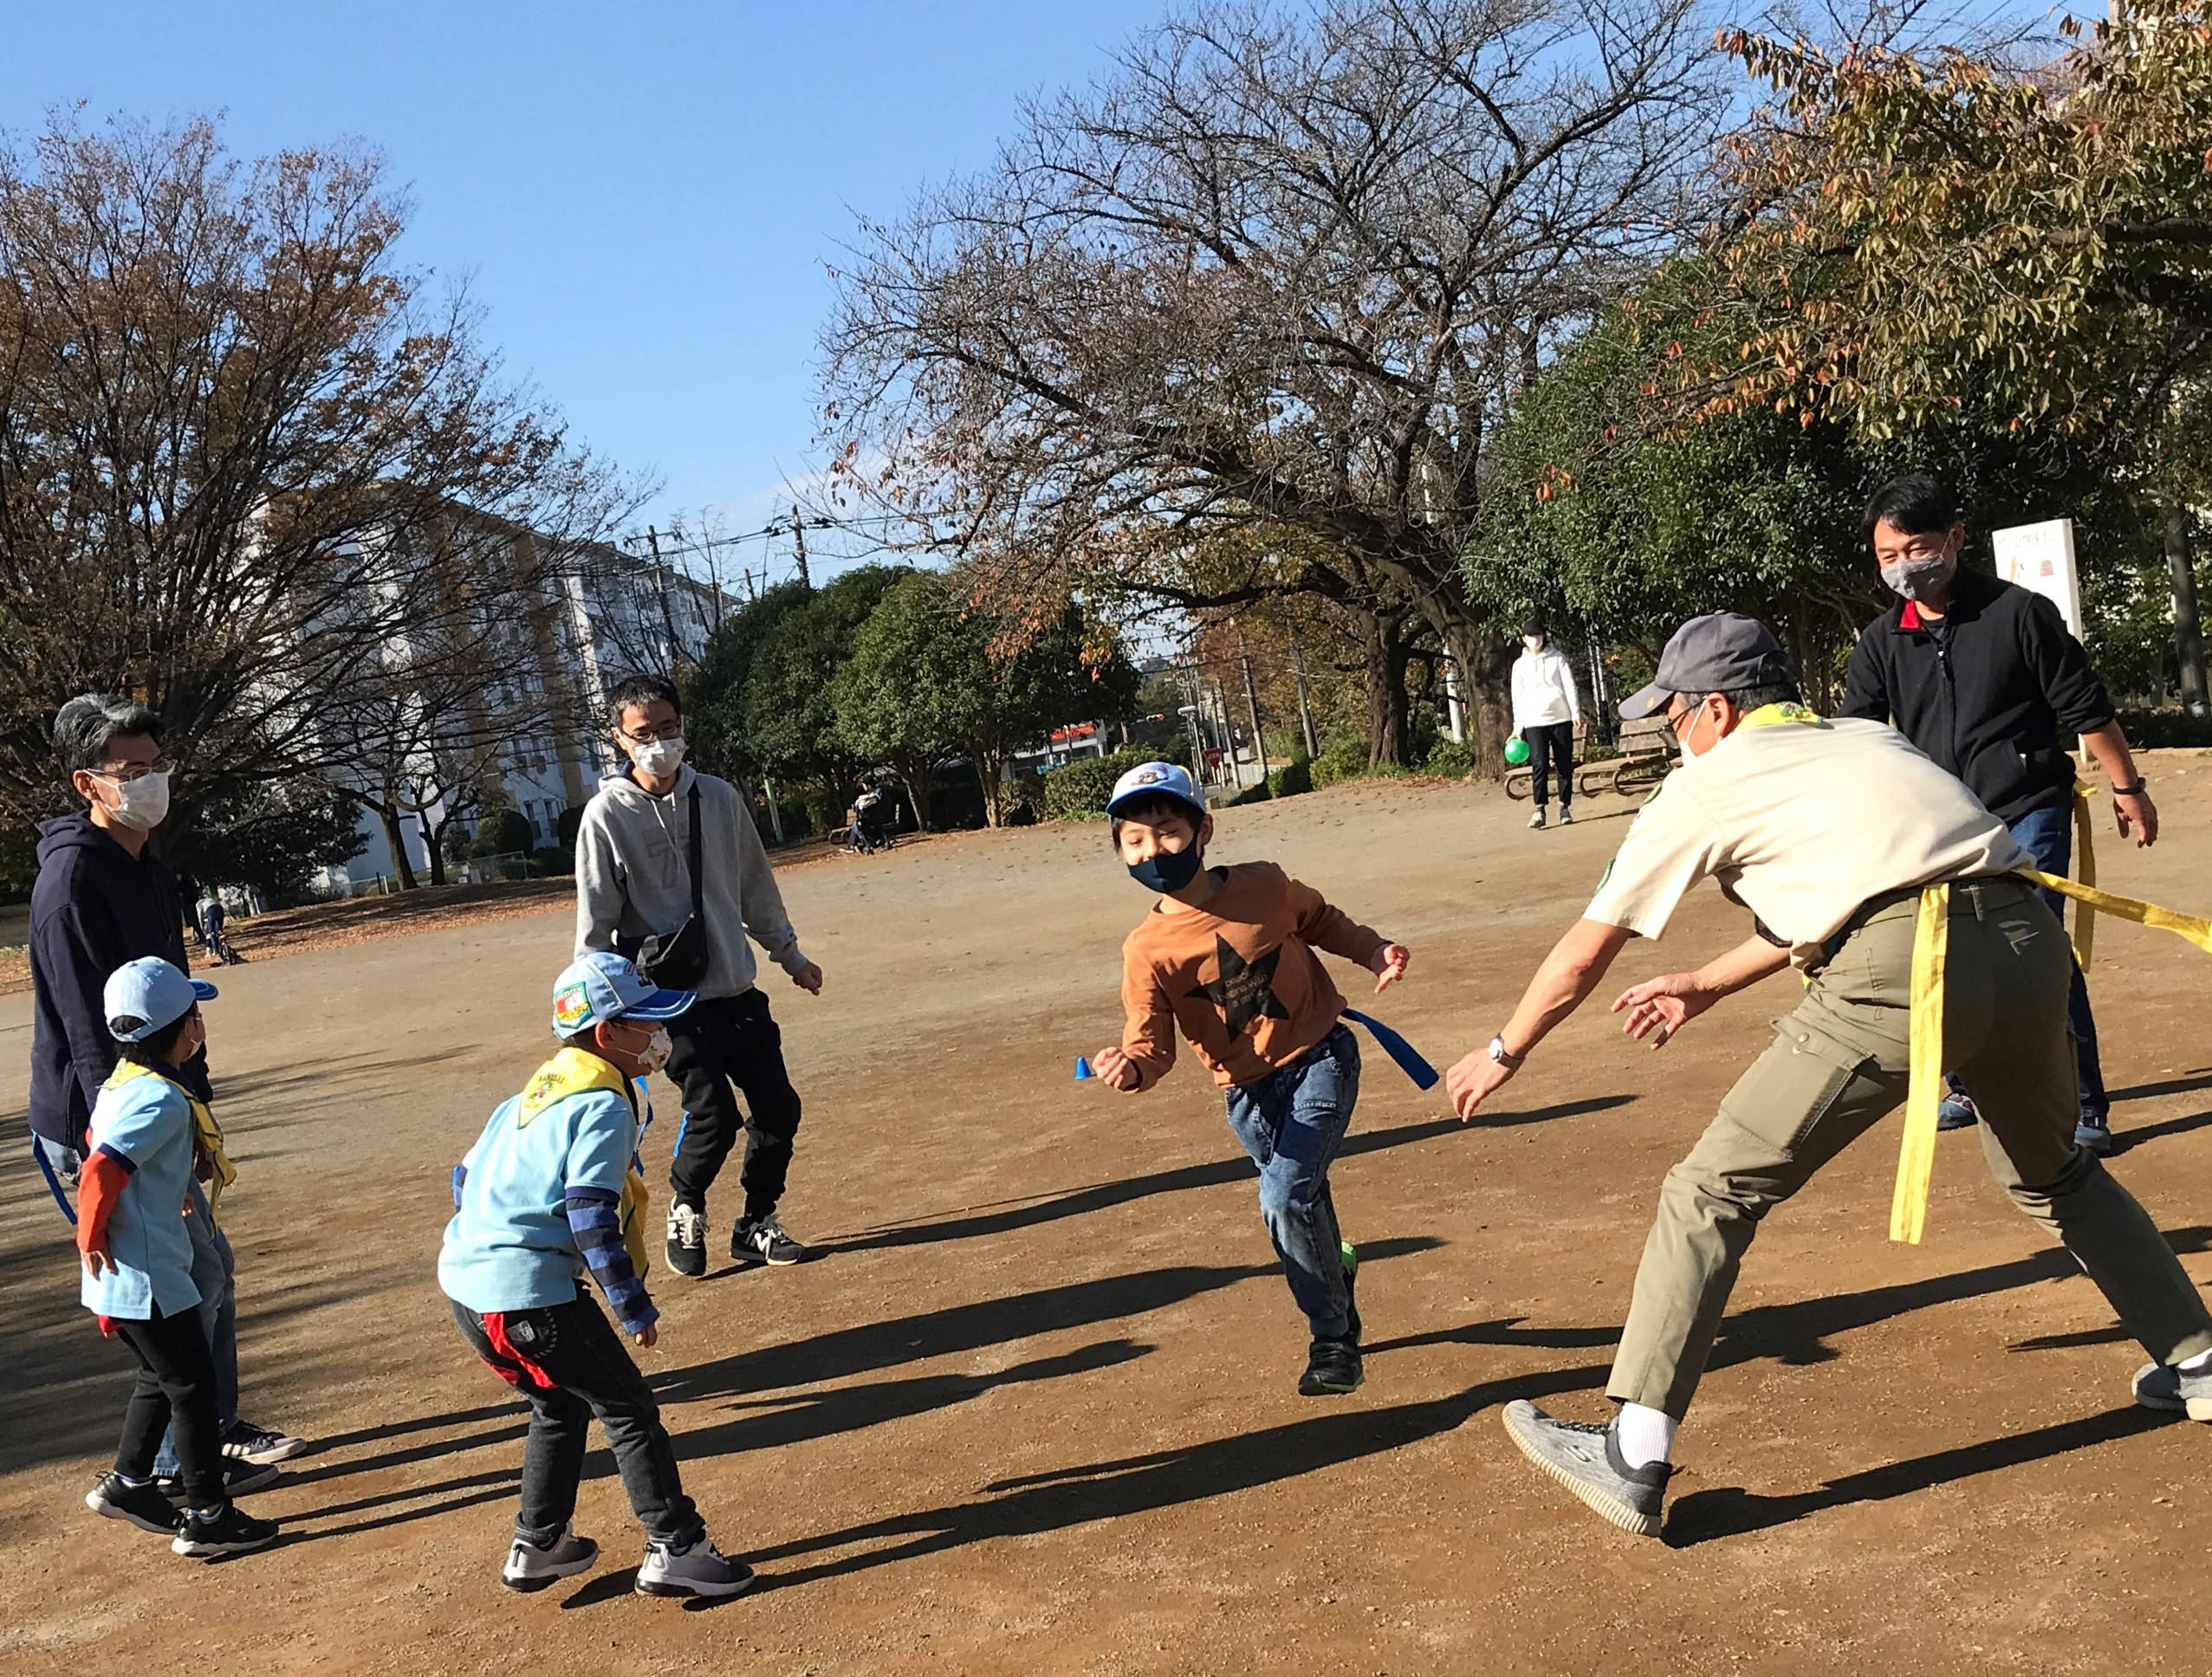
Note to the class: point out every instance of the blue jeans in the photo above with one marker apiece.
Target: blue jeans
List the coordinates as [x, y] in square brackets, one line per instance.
[213, 1274]
[1292, 1123]
[2047, 835]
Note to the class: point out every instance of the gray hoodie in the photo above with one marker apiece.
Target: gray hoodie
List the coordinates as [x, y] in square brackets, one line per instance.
[631, 876]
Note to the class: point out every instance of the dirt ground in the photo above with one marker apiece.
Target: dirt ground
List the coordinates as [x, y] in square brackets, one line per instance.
[1034, 1410]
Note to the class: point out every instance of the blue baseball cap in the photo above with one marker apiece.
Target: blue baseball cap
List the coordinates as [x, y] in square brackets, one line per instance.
[1158, 780]
[148, 995]
[604, 986]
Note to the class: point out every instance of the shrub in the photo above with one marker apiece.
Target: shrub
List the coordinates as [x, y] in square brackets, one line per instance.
[1082, 788]
[1254, 795]
[1021, 803]
[501, 832]
[2149, 728]
[1340, 760]
[1293, 778]
[1449, 758]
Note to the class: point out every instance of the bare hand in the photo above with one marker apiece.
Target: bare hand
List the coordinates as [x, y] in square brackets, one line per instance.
[1389, 962]
[1112, 1065]
[809, 978]
[94, 1258]
[1663, 1004]
[650, 1337]
[1474, 1080]
[2135, 812]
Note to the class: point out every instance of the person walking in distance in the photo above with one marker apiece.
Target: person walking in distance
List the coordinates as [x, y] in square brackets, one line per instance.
[1982, 674]
[1548, 713]
[672, 873]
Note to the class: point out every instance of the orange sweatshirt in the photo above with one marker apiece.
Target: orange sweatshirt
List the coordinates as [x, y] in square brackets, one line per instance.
[1239, 976]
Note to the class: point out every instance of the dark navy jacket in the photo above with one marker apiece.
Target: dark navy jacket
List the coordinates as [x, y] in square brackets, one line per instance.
[94, 907]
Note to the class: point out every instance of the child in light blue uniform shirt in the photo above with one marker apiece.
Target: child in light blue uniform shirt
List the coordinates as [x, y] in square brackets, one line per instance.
[548, 1193]
[148, 1134]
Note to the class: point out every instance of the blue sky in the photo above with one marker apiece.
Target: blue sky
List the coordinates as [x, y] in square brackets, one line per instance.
[642, 195]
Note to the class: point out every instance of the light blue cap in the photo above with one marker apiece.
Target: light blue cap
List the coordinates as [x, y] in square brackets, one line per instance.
[147, 996]
[1158, 780]
[602, 986]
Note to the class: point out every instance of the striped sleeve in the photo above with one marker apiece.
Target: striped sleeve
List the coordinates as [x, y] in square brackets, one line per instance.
[595, 1219]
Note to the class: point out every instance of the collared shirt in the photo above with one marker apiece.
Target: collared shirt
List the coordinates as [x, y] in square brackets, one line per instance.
[1800, 821]
[509, 1246]
[147, 1123]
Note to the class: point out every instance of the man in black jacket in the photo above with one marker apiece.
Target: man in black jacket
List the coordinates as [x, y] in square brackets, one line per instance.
[102, 899]
[1983, 676]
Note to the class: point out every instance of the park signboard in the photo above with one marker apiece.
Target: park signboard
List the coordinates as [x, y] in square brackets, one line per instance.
[2041, 558]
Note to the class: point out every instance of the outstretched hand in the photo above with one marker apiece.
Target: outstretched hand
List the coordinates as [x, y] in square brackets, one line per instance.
[1389, 964]
[1660, 1006]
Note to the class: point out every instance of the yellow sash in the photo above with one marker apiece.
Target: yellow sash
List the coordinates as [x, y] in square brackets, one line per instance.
[572, 1073]
[207, 1135]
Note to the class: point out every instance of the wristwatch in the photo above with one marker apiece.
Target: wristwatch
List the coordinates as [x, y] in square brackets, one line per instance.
[2135, 791]
[1511, 1062]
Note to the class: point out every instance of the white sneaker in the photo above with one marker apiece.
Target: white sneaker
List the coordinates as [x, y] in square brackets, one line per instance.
[529, 1567]
[243, 1441]
[1537, 819]
[1567, 816]
[701, 1570]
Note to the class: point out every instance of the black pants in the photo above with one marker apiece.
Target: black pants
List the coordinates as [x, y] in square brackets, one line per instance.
[572, 1366]
[1551, 745]
[725, 1040]
[176, 1377]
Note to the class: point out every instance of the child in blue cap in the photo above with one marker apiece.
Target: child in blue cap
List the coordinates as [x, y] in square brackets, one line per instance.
[549, 1192]
[147, 1136]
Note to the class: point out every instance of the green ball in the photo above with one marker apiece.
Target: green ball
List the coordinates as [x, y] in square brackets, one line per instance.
[1516, 751]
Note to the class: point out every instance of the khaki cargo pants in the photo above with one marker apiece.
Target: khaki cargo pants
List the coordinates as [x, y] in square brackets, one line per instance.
[1837, 1067]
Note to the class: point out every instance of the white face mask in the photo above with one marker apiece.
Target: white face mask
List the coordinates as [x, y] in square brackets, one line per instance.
[658, 757]
[1534, 643]
[140, 805]
[657, 1050]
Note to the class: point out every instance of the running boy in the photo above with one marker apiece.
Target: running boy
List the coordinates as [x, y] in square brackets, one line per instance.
[550, 1190]
[147, 1136]
[1228, 955]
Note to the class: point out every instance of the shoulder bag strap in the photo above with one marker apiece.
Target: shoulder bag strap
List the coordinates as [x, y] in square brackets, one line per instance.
[698, 882]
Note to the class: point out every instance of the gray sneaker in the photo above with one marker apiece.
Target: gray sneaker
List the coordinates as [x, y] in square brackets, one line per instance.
[2161, 1387]
[1587, 1460]
[529, 1568]
[700, 1570]
[1567, 816]
[1537, 819]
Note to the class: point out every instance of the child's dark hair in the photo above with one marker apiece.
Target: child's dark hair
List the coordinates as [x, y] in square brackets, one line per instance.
[1149, 806]
[155, 1049]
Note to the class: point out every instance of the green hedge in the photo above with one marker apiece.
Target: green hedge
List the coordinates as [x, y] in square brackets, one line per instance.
[1293, 778]
[1449, 758]
[2148, 729]
[1082, 789]
[1340, 760]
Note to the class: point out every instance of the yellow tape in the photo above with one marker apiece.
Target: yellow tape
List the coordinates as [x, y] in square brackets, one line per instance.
[1931, 939]
[2085, 863]
[2194, 928]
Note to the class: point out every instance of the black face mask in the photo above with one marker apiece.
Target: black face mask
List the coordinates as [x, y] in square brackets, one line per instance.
[1166, 870]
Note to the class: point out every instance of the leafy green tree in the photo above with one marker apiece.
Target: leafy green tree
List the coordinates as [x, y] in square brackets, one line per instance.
[502, 831]
[274, 840]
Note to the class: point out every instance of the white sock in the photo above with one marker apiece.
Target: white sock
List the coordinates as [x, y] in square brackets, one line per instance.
[1645, 1436]
[2196, 1365]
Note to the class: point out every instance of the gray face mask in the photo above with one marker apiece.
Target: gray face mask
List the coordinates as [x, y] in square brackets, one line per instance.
[1917, 579]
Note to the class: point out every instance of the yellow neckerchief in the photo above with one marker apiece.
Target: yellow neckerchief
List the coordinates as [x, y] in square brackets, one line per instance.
[571, 1073]
[1930, 949]
[207, 1135]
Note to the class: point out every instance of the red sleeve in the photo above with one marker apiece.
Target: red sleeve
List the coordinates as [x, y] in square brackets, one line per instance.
[99, 1183]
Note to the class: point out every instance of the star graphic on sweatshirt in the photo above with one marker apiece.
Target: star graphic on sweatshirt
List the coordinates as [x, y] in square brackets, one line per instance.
[1245, 991]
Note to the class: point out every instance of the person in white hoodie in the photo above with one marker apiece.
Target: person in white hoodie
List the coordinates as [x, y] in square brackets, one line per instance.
[1548, 713]
[634, 882]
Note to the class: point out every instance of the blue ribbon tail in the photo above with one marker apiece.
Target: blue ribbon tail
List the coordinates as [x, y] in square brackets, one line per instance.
[1408, 1057]
[53, 1182]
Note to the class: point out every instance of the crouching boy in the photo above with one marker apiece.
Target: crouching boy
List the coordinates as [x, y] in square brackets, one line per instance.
[549, 1191]
[1228, 955]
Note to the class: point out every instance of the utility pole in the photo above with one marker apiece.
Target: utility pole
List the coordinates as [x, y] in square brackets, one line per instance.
[1305, 704]
[798, 549]
[667, 616]
[1455, 711]
[1252, 703]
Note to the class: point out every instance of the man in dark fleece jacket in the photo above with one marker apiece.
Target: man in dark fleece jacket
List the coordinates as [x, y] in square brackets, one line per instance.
[102, 899]
[1983, 677]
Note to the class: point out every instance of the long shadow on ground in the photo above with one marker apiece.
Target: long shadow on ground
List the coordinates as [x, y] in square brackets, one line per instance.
[1007, 1217]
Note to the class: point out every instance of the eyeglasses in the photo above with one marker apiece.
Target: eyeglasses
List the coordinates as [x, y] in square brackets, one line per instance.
[645, 735]
[1676, 719]
[126, 774]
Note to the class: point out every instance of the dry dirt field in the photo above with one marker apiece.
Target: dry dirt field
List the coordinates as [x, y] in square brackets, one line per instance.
[1033, 1409]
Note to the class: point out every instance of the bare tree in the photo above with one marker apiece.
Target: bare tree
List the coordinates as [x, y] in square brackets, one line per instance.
[230, 423]
[1278, 270]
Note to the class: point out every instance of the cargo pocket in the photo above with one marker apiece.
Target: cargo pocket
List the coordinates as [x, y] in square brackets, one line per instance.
[1792, 1085]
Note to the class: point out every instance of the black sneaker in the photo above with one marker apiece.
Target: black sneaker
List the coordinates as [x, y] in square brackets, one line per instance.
[231, 1530]
[1587, 1460]
[2094, 1133]
[142, 1504]
[687, 1240]
[1332, 1367]
[240, 1478]
[762, 1240]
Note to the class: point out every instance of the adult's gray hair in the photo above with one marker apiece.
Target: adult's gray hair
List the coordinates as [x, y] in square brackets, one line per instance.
[85, 726]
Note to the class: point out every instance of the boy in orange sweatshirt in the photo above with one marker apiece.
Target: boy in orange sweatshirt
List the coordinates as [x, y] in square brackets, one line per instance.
[1228, 955]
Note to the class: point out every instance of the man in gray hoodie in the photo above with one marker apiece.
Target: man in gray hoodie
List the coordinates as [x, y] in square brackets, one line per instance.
[634, 882]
